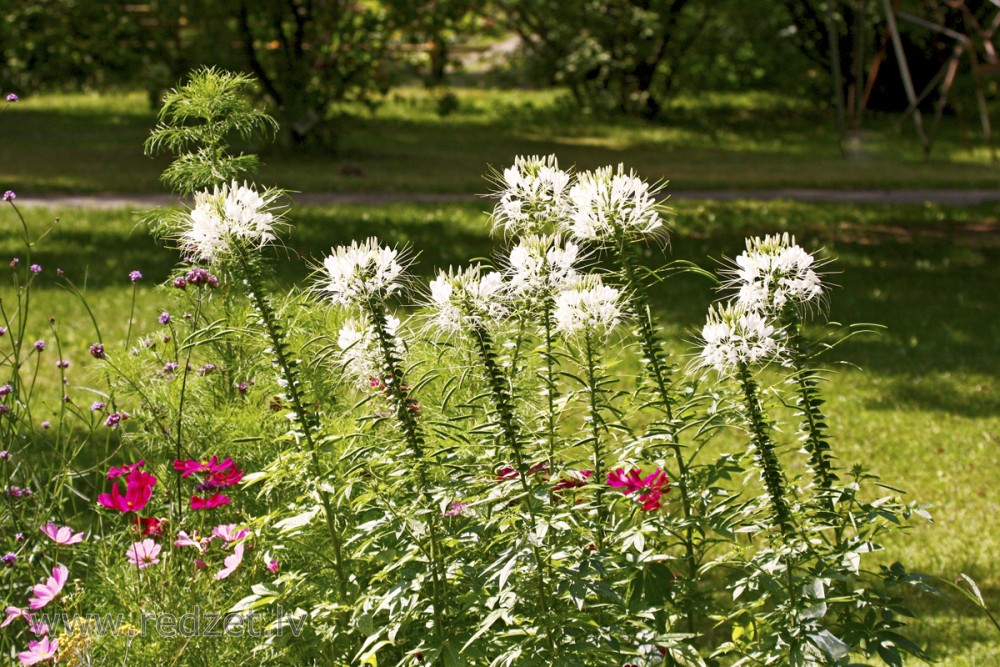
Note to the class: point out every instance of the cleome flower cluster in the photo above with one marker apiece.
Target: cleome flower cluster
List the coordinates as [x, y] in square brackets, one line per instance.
[228, 217]
[771, 280]
[605, 206]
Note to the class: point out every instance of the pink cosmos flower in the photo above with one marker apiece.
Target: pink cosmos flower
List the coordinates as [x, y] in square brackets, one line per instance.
[619, 479]
[191, 466]
[42, 651]
[185, 540]
[15, 612]
[143, 554]
[138, 489]
[62, 535]
[39, 629]
[229, 533]
[232, 562]
[217, 500]
[650, 488]
[45, 593]
[199, 564]
[273, 566]
[125, 469]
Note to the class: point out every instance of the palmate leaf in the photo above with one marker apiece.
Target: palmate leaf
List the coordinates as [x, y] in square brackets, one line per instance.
[829, 644]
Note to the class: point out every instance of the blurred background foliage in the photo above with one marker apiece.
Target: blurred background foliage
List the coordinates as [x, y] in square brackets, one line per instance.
[628, 57]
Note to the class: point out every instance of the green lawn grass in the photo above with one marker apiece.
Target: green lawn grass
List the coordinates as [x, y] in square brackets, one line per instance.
[918, 404]
[86, 143]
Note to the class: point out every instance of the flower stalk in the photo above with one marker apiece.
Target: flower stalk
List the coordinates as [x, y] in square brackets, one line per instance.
[764, 452]
[503, 406]
[306, 421]
[659, 371]
[549, 380]
[594, 416]
[809, 403]
[404, 409]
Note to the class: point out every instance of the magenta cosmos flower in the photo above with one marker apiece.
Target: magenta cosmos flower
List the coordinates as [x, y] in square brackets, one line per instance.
[148, 525]
[40, 651]
[213, 465]
[138, 489]
[125, 469]
[45, 593]
[650, 488]
[216, 500]
[575, 480]
[143, 554]
[62, 535]
[214, 480]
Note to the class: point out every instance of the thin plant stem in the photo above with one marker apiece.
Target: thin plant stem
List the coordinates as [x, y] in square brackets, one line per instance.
[504, 408]
[659, 372]
[131, 316]
[764, 450]
[590, 355]
[186, 371]
[289, 375]
[406, 415]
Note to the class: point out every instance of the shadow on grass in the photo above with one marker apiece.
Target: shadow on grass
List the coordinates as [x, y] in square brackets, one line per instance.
[94, 144]
[935, 295]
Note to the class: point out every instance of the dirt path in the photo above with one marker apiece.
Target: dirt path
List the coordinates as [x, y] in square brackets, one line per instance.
[951, 197]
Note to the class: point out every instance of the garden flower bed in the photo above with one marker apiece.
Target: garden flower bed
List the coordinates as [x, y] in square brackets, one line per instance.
[366, 470]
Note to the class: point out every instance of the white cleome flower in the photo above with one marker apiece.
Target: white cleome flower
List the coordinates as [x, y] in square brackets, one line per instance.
[229, 214]
[355, 274]
[735, 336]
[540, 266]
[360, 352]
[467, 297]
[774, 272]
[533, 196]
[587, 305]
[607, 204]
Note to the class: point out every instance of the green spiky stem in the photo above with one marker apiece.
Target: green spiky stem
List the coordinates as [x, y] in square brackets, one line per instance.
[763, 449]
[503, 406]
[813, 420]
[404, 410]
[659, 371]
[306, 421]
[551, 389]
[595, 432]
